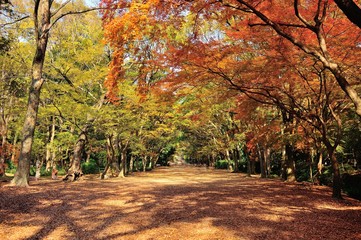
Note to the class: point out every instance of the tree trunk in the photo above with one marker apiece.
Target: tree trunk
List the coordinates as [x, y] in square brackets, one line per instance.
[288, 165]
[144, 162]
[7, 102]
[102, 176]
[42, 11]
[88, 153]
[136, 164]
[38, 166]
[75, 171]
[124, 161]
[131, 162]
[123, 157]
[2, 154]
[50, 152]
[236, 159]
[248, 160]
[21, 177]
[78, 152]
[337, 183]
[311, 162]
[261, 161]
[150, 164]
[351, 10]
[155, 161]
[267, 164]
[13, 152]
[229, 164]
[320, 164]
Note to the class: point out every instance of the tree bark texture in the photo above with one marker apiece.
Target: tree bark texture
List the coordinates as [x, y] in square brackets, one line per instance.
[41, 17]
[75, 170]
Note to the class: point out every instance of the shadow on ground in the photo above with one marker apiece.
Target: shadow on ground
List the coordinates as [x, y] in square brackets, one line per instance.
[177, 203]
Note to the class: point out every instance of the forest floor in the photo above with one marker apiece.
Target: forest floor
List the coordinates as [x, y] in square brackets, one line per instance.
[176, 203]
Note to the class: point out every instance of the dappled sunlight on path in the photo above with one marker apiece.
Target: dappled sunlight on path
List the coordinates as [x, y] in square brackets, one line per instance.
[176, 203]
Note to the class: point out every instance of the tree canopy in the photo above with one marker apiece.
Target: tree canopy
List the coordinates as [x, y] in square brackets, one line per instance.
[269, 87]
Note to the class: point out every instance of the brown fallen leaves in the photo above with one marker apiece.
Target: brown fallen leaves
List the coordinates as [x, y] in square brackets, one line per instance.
[176, 203]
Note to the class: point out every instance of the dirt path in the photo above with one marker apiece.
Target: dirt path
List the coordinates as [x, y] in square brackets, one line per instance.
[176, 203]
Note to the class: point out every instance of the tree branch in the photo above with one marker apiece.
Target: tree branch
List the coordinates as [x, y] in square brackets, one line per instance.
[279, 23]
[15, 21]
[351, 10]
[61, 7]
[70, 13]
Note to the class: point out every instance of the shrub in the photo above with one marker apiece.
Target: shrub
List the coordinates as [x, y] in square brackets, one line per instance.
[90, 167]
[326, 176]
[221, 164]
[61, 171]
[43, 171]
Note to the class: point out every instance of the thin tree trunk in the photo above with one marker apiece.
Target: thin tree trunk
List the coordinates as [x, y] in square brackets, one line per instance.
[88, 153]
[155, 161]
[50, 152]
[144, 162]
[123, 156]
[311, 161]
[236, 159]
[38, 166]
[229, 164]
[320, 164]
[261, 161]
[2, 154]
[102, 176]
[136, 163]
[150, 162]
[266, 157]
[131, 162]
[124, 161]
[248, 160]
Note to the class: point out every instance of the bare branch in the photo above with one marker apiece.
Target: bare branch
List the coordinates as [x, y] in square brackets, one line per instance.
[15, 21]
[61, 7]
[70, 13]
[300, 17]
[279, 23]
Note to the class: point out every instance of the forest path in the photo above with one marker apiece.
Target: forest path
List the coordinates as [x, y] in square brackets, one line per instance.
[177, 202]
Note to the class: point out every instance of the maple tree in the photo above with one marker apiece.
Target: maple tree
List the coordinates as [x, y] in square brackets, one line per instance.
[261, 50]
